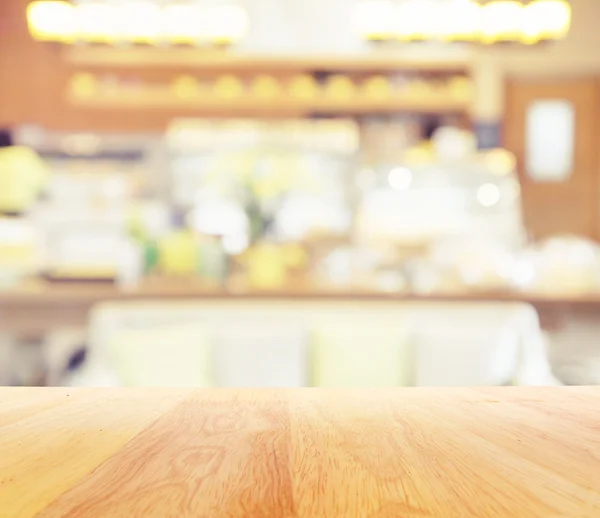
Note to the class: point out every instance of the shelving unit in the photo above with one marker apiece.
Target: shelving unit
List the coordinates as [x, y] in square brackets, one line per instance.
[278, 107]
[199, 60]
[153, 71]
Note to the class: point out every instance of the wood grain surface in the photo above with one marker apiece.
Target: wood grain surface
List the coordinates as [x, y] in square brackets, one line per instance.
[311, 453]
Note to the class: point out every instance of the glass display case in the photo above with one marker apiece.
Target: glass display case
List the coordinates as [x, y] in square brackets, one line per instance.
[247, 180]
[95, 182]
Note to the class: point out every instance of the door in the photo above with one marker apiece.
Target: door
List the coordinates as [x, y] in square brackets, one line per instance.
[551, 128]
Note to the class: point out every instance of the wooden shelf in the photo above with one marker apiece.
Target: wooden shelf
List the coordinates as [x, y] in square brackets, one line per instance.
[201, 60]
[273, 107]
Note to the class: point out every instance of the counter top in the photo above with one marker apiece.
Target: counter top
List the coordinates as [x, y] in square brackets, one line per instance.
[81, 292]
[518, 452]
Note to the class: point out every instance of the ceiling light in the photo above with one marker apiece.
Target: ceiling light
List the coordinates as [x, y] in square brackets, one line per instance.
[97, 22]
[374, 19]
[501, 20]
[486, 21]
[51, 21]
[227, 23]
[140, 22]
[460, 20]
[417, 20]
[545, 19]
[184, 23]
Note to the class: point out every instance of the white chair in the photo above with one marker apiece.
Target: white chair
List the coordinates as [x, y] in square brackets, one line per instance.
[360, 349]
[256, 342]
[176, 355]
[574, 351]
[261, 352]
[145, 344]
[170, 343]
[487, 343]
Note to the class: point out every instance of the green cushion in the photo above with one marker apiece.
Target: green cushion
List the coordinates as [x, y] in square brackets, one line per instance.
[174, 356]
[354, 354]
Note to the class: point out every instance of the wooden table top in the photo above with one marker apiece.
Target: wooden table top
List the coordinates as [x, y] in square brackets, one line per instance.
[506, 452]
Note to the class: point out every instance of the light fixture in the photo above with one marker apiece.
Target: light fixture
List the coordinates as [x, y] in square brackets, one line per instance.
[484, 21]
[417, 20]
[545, 19]
[141, 22]
[137, 21]
[459, 20]
[227, 23]
[51, 21]
[501, 21]
[374, 19]
[184, 23]
[97, 22]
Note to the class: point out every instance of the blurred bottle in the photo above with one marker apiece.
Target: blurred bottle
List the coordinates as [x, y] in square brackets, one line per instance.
[213, 260]
[23, 175]
[131, 264]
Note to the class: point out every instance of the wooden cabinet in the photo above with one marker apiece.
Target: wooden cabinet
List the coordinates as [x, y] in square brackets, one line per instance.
[551, 126]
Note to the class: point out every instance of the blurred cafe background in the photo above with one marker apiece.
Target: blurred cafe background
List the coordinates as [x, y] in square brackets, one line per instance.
[258, 193]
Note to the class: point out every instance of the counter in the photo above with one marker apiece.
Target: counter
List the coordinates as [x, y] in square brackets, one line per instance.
[35, 308]
[306, 453]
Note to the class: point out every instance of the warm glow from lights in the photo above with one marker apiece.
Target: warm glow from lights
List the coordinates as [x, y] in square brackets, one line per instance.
[417, 20]
[97, 22]
[136, 21]
[228, 23]
[546, 19]
[184, 23]
[374, 19]
[460, 20]
[463, 20]
[501, 21]
[51, 21]
[141, 22]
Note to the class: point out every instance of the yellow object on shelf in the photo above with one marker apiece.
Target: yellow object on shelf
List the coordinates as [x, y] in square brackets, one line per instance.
[23, 174]
[268, 264]
[377, 87]
[84, 86]
[420, 154]
[266, 87]
[178, 253]
[419, 90]
[303, 87]
[340, 87]
[500, 161]
[228, 87]
[461, 88]
[186, 87]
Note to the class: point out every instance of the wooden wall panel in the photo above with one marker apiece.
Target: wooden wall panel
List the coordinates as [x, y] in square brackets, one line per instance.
[570, 206]
[34, 78]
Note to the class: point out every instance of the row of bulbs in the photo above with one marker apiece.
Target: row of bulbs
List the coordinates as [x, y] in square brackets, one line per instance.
[463, 20]
[301, 88]
[136, 21]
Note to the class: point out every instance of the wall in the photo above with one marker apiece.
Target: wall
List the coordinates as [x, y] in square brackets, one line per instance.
[33, 76]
